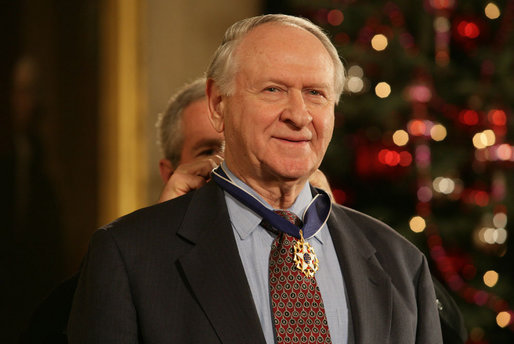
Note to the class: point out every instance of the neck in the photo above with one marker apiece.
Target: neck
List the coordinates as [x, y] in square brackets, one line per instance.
[277, 192]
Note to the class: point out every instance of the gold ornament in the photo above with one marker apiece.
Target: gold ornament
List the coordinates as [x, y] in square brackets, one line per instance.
[304, 257]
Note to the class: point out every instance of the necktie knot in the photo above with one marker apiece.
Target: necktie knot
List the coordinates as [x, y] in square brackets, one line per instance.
[290, 216]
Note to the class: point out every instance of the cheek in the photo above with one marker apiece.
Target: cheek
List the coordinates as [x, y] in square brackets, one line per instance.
[257, 125]
[324, 126]
[237, 134]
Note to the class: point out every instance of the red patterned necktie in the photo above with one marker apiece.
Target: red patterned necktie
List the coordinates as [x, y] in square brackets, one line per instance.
[298, 310]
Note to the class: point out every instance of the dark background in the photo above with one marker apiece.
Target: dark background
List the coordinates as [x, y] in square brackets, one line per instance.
[48, 150]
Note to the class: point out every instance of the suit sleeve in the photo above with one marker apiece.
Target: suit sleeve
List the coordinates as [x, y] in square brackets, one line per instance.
[103, 310]
[429, 328]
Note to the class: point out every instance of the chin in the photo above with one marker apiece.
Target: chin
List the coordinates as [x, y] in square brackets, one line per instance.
[291, 172]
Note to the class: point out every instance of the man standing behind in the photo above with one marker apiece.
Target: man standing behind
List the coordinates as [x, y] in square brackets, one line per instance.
[190, 145]
[220, 264]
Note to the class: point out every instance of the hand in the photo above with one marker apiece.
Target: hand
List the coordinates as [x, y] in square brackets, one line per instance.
[320, 181]
[189, 176]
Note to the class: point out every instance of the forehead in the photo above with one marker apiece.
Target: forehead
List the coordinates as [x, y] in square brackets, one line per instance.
[283, 50]
[196, 124]
[196, 110]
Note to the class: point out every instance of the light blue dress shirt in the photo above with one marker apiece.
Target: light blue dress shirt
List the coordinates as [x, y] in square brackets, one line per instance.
[254, 244]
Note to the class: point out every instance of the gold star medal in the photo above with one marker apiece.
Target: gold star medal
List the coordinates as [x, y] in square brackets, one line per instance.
[304, 257]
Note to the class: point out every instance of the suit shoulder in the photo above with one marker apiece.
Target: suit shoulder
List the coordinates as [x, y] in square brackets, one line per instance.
[380, 235]
[167, 215]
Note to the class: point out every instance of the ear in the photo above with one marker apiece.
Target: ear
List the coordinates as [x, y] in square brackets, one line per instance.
[166, 169]
[216, 104]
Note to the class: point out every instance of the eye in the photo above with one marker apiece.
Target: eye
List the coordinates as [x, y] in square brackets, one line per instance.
[207, 152]
[272, 89]
[315, 92]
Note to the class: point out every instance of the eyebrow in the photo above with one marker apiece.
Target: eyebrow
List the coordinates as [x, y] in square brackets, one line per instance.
[318, 86]
[207, 143]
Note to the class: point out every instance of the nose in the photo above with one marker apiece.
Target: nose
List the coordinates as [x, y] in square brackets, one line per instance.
[296, 112]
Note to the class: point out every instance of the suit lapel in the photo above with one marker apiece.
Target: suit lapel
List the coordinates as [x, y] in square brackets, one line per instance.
[214, 270]
[368, 287]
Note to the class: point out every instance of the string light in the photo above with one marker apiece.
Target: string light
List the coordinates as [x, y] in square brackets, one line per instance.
[503, 319]
[497, 117]
[500, 220]
[438, 132]
[417, 224]
[441, 24]
[492, 11]
[488, 137]
[490, 278]
[442, 4]
[355, 84]
[423, 156]
[484, 139]
[379, 42]
[468, 29]
[492, 236]
[424, 194]
[502, 152]
[383, 90]
[393, 158]
[405, 158]
[500, 236]
[443, 185]
[419, 93]
[417, 127]
[335, 17]
[400, 137]
[477, 197]
[468, 117]
[356, 70]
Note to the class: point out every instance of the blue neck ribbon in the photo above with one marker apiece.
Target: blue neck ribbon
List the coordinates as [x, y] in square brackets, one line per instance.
[314, 216]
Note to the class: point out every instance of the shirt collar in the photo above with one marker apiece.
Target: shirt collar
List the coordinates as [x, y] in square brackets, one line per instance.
[246, 220]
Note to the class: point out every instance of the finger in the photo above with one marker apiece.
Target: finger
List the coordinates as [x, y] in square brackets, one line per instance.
[180, 184]
[218, 158]
[190, 183]
[215, 160]
[200, 167]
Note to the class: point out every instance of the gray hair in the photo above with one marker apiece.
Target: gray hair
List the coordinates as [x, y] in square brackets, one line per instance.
[170, 134]
[223, 67]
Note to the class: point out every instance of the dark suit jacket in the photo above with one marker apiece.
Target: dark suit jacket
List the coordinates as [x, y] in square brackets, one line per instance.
[171, 273]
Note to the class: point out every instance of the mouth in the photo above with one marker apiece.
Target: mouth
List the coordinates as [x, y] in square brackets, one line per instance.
[292, 140]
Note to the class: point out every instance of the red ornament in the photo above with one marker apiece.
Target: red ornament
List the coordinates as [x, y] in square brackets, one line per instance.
[468, 29]
[468, 117]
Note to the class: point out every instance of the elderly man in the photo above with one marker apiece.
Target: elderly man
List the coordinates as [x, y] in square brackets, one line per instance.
[221, 264]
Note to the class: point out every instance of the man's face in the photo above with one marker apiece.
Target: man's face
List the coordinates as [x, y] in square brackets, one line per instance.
[279, 119]
[200, 138]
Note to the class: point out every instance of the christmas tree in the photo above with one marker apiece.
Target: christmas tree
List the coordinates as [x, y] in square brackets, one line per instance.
[424, 137]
